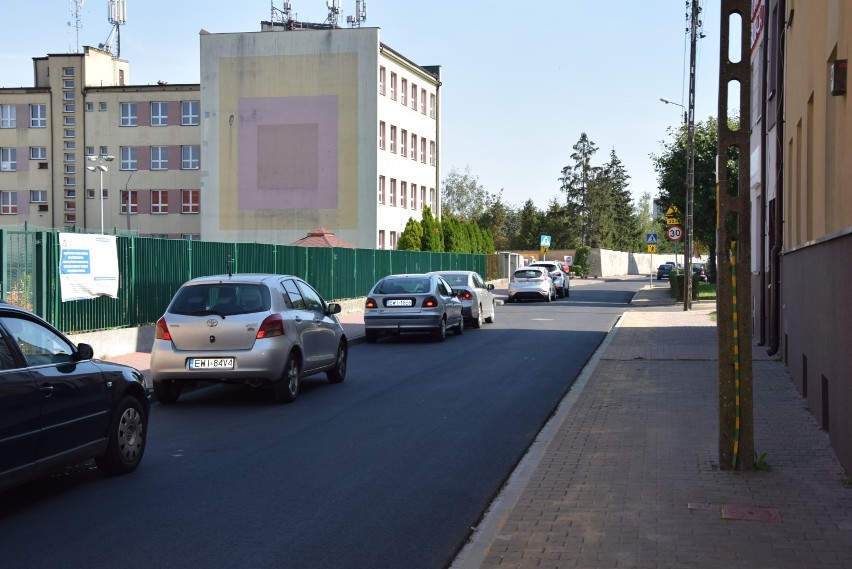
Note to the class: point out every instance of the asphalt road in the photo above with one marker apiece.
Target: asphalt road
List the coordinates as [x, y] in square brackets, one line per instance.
[389, 469]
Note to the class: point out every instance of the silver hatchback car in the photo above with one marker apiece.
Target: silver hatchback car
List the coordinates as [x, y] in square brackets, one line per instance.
[412, 303]
[531, 282]
[257, 329]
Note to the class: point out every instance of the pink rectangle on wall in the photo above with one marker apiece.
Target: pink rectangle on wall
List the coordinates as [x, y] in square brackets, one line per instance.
[288, 153]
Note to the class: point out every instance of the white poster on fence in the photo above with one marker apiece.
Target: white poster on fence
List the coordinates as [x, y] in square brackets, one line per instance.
[88, 266]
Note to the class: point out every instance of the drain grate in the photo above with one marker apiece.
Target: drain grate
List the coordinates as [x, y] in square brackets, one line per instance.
[751, 514]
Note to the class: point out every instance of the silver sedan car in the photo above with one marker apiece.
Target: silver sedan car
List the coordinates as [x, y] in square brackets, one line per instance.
[531, 282]
[478, 303]
[412, 303]
[258, 329]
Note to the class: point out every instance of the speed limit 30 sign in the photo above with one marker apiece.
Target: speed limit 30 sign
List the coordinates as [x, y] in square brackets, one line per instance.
[674, 233]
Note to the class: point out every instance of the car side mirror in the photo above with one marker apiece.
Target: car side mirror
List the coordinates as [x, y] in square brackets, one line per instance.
[333, 308]
[85, 352]
[490, 286]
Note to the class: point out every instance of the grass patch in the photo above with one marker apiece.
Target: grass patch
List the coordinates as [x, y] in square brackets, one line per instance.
[706, 291]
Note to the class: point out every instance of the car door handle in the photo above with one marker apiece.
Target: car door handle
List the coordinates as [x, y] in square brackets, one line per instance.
[46, 390]
[297, 319]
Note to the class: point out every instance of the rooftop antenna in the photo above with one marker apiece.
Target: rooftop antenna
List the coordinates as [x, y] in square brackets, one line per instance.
[285, 15]
[76, 9]
[117, 16]
[333, 12]
[360, 14]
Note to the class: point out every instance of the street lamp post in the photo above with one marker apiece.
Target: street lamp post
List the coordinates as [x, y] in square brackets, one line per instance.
[670, 102]
[100, 168]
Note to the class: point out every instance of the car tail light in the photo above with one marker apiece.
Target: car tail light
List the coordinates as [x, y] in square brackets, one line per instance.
[465, 295]
[272, 326]
[161, 332]
[430, 302]
[371, 303]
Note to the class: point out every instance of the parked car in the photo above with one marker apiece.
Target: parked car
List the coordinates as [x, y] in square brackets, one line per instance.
[412, 303]
[253, 329]
[478, 303]
[561, 279]
[664, 270]
[59, 407]
[700, 271]
[531, 282]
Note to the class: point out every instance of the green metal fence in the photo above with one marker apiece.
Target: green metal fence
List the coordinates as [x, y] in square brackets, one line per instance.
[151, 270]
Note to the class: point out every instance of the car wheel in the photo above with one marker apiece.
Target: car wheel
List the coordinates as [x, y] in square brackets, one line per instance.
[287, 388]
[338, 373]
[562, 292]
[459, 330]
[493, 316]
[567, 291]
[372, 336]
[550, 296]
[127, 434]
[440, 333]
[477, 323]
[167, 391]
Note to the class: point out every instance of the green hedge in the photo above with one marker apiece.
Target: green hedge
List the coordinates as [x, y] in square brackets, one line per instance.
[677, 285]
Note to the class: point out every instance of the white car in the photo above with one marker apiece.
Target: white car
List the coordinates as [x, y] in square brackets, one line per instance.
[478, 302]
[560, 277]
[533, 283]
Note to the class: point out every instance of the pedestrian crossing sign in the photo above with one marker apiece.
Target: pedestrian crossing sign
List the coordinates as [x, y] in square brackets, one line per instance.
[651, 239]
[652, 248]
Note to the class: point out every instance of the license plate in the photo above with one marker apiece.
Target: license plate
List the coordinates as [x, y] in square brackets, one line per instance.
[211, 363]
[406, 302]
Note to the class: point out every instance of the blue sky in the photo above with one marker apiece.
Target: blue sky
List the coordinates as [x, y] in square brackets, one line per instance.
[521, 81]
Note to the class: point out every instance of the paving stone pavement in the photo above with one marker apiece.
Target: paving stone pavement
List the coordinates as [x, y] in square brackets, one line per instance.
[629, 476]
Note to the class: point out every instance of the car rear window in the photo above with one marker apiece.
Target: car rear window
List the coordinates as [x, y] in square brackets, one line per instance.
[221, 298]
[528, 274]
[403, 285]
[455, 280]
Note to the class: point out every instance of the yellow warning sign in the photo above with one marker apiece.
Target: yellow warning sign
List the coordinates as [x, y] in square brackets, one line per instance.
[652, 248]
[673, 211]
[544, 250]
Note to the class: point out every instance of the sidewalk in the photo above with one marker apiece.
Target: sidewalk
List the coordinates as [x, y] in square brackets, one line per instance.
[626, 473]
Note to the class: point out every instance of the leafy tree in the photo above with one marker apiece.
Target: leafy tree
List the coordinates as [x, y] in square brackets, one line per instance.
[463, 196]
[412, 237]
[670, 166]
[433, 240]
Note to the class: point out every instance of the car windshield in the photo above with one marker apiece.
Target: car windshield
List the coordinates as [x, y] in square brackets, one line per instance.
[221, 298]
[455, 279]
[528, 274]
[403, 285]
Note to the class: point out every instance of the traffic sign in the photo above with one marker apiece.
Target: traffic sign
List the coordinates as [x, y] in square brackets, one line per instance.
[544, 250]
[652, 248]
[674, 233]
[673, 211]
[545, 240]
[651, 239]
[672, 221]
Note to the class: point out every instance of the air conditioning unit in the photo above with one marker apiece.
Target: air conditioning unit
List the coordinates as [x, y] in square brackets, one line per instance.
[42, 165]
[43, 207]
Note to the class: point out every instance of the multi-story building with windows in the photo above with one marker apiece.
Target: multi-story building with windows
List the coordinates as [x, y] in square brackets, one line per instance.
[81, 106]
[314, 128]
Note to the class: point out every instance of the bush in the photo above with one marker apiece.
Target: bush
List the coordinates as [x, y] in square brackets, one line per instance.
[677, 285]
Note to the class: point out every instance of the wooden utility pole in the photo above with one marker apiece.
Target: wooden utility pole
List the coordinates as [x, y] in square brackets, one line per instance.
[734, 326]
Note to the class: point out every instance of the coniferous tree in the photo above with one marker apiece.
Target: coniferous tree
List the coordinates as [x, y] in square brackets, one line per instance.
[412, 236]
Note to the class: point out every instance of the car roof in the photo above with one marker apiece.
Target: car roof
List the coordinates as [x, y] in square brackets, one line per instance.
[528, 267]
[239, 277]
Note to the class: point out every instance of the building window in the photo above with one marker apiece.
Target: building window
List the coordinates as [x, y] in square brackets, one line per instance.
[191, 236]
[70, 206]
[68, 96]
[70, 169]
[70, 194]
[38, 196]
[381, 238]
[8, 203]
[90, 151]
[189, 112]
[432, 158]
[70, 108]
[128, 114]
[159, 202]
[423, 101]
[70, 157]
[414, 96]
[159, 114]
[38, 153]
[403, 194]
[393, 139]
[382, 135]
[68, 84]
[38, 116]
[190, 201]
[70, 181]
[8, 116]
[423, 150]
[403, 92]
[413, 195]
[190, 157]
[68, 72]
[68, 121]
[102, 107]
[413, 146]
[393, 86]
[403, 143]
[69, 133]
[381, 80]
[393, 239]
[69, 145]
[70, 218]
[432, 103]
[159, 158]
[129, 198]
[90, 106]
[392, 192]
[127, 157]
[8, 159]
[381, 189]
[432, 198]
[422, 196]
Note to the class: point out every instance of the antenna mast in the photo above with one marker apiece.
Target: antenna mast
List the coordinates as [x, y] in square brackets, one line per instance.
[333, 12]
[284, 15]
[117, 16]
[360, 14]
[76, 8]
